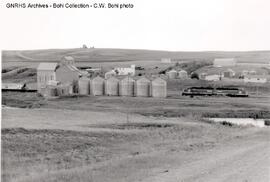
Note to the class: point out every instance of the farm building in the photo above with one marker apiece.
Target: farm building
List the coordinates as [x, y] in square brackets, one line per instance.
[182, 74]
[212, 77]
[222, 62]
[64, 72]
[172, 74]
[97, 86]
[142, 87]
[229, 73]
[126, 71]
[126, 87]
[112, 86]
[255, 79]
[159, 88]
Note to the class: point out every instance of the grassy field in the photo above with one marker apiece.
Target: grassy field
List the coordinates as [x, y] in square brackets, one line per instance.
[109, 57]
[83, 145]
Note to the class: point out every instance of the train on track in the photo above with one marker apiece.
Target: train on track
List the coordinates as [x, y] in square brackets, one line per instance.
[218, 91]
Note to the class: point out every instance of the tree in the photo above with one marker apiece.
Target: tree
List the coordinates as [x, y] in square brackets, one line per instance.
[194, 75]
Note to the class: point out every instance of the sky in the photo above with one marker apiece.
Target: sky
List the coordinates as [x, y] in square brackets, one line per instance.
[173, 25]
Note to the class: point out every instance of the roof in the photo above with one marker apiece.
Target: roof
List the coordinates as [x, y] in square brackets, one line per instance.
[47, 66]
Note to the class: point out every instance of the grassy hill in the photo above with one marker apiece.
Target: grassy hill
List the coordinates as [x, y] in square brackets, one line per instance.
[116, 55]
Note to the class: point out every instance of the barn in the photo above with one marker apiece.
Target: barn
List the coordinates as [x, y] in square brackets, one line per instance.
[64, 72]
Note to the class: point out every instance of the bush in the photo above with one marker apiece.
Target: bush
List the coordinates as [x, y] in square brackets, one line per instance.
[267, 122]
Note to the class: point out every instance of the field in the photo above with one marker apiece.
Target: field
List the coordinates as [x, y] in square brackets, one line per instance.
[114, 139]
[75, 145]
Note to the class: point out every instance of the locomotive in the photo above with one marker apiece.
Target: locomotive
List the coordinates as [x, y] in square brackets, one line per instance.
[211, 91]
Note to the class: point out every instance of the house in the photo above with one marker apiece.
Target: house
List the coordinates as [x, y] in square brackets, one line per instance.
[64, 72]
[222, 62]
[255, 79]
[126, 71]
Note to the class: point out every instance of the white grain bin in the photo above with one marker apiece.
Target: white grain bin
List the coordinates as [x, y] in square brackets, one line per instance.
[142, 87]
[84, 86]
[110, 74]
[126, 87]
[112, 86]
[97, 86]
[172, 74]
[50, 91]
[182, 74]
[159, 88]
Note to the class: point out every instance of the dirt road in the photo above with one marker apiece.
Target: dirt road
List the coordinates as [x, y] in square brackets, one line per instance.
[243, 161]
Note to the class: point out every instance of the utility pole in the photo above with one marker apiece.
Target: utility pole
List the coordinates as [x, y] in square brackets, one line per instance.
[128, 104]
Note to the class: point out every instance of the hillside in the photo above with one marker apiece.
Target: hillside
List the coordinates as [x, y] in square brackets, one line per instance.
[118, 55]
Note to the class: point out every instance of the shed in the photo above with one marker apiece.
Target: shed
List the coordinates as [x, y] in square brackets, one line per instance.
[159, 88]
[97, 86]
[142, 87]
[112, 86]
[126, 86]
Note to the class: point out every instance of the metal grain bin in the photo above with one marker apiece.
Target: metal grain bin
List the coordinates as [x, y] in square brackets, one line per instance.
[172, 74]
[112, 86]
[142, 87]
[126, 87]
[182, 74]
[84, 86]
[97, 86]
[110, 74]
[159, 88]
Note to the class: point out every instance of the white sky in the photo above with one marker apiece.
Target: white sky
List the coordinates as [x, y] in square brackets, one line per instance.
[176, 25]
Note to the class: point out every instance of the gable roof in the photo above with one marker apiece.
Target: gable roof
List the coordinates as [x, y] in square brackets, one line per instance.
[47, 66]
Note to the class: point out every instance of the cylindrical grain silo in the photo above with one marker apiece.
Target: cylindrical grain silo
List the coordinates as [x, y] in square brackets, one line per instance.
[84, 86]
[112, 86]
[172, 74]
[142, 87]
[183, 74]
[159, 88]
[126, 87]
[110, 74]
[97, 86]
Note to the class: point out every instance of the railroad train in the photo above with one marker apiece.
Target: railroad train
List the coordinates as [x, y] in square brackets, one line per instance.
[211, 91]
